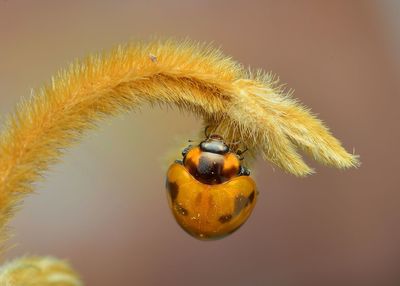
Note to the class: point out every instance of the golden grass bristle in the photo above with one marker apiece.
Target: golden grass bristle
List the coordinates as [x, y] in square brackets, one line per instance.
[254, 110]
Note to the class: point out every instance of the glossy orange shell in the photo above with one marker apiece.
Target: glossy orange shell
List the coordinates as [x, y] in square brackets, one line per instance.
[209, 211]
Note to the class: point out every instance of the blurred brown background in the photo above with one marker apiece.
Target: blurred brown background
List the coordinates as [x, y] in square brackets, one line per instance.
[104, 207]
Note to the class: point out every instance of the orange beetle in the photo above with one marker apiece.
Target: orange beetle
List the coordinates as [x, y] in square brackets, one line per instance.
[209, 192]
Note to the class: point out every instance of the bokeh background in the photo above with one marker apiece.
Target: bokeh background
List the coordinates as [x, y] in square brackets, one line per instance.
[104, 207]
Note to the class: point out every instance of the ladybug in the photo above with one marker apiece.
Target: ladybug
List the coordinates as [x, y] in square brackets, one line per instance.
[209, 192]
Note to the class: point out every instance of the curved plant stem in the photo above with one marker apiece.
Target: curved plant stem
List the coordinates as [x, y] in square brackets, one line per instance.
[251, 109]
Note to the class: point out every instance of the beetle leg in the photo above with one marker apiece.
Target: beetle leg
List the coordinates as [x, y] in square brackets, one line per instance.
[240, 154]
[186, 150]
[179, 162]
[243, 171]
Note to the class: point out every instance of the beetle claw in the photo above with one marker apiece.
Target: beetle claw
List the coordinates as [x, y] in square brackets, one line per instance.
[243, 171]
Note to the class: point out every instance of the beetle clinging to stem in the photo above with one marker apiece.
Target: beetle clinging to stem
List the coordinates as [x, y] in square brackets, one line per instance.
[250, 108]
[210, 192]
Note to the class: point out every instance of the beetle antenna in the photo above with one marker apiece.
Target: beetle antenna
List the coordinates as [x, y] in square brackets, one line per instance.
[240, 153]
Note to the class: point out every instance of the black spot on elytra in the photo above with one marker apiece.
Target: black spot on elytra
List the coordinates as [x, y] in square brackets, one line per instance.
[173, 190]
[240, 203]
[251, 197]
[225, 218]
[181, 210]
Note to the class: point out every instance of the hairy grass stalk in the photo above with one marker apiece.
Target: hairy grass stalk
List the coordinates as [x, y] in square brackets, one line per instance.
[251, 109]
